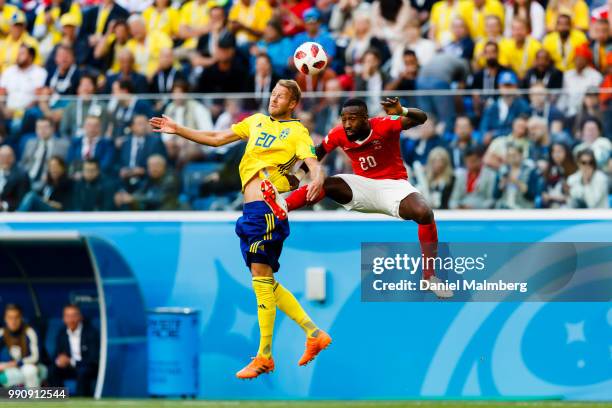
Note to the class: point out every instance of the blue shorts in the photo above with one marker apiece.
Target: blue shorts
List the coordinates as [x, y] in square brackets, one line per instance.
[261, 235]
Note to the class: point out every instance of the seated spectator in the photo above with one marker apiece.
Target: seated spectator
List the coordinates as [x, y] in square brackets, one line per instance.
[316, 33]
[167, 73]
[93, 192]
[423, 49]
[64, 79]
[560, 166]
[162, 17]
[108, 49]
[243, 23]
[371, 79]
[14, 182]
[543, 71]
[19, 351]
[601, 43]
[146, 46]
[49, 21]
[590, 109]
[517, 181]
[529, 10]
[91, 145]
[159, 192]
[576, 81]
[127, 72]
[486, 80]
[539, 141]
[561, 43]
[435, 180]
[277, 47]
[327, 112]
[406, 79]
[7, 10]
[87, 104]
[69, 24]
[417, 150]
[194, 22]
[261, 83]
[291, 14]
[203, 55]
[461, 45]
[497, 150]
[17, 37]
[97, 21]
[136, 150]
[227, 74]
[479, 10]
[474, 184]
[389, 18]
[122, 108]
[588, 187]
[493, 30]
[593, 140]
[56, 191]
[442, 14]
[541, 105]
[462, 140]
[576, 8]
[498, 118]
[37, 151]
[521, 48]
[77, 355]
[20, 83]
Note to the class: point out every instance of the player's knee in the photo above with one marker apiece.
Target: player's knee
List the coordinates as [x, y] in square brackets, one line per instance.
[418, 211]
[30, 375]
[337, 190]
[261, 270]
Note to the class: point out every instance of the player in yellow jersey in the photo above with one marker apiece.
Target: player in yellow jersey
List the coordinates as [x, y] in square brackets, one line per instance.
[275, 143]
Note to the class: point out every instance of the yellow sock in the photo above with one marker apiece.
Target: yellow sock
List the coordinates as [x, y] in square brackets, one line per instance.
[292, 308]
[266, 312]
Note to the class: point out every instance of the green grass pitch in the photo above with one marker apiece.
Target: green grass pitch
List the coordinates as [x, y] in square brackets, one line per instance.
[147, 403]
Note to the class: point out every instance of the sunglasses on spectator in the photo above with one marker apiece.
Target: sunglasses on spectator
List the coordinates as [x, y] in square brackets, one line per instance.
[587, 162]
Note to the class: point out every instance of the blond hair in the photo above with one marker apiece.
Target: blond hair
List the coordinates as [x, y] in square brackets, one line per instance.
[293, 87]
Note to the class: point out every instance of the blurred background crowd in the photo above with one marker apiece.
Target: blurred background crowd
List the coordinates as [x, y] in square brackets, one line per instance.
[519, 96]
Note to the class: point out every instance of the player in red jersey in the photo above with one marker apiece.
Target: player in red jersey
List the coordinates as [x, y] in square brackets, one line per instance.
[380, 183]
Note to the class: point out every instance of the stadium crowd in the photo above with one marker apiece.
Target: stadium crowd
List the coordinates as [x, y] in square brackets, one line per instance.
[530, 129]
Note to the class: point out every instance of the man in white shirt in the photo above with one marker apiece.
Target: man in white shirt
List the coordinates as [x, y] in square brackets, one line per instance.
[577, 81]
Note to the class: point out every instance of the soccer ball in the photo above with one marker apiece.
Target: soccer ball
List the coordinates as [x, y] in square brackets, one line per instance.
[310, 58]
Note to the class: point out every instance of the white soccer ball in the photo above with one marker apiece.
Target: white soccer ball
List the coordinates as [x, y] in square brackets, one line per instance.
[310, 58]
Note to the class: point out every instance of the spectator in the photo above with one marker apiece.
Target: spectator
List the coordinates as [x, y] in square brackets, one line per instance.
[474, 184]
[90, 145]
[561, 165]
[316, 33]
[327, 112]
[37, 151]
[276, 46]
[262, 82]
[371, 79]
[98, 19]
[6, 11]
[576, 81]
[541, 105]
[14, 182]
[498, 118]
[601, 43]
[561, 43]
[69, 24]
[247, 19]
[56, 192]
[588, 187]
[76, 353]
[442, 14]
[136, 150]
[497, 150]
[478, 11]
[517, 181]
[107, 50]
[423, 49]
[19, 351]
[206, 47]
[64, 79]
[528, 10]
[50, 20]
[436, 180]
[227, 73]
[17, 37]
[122, 108]
[576, 8]
[194, 21]
[417, 150]
[590, 108]
[605, 96]
[92, 192]
[593, 140]
[461, 45]
[163, 80]
[406, 80]
[520, 50]
[159, 192]
[543, 71]
[486, 80]
[146, 46]
[127, 72]
[162, 17]
[87, 104]
[462, 141]
[493, 30]
[389, 18]
[291, 13]
[539, 141]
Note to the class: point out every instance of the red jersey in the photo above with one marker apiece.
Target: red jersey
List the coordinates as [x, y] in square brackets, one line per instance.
[376, 157]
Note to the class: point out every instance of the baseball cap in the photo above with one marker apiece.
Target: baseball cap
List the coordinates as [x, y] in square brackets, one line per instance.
[69, 20]
[508, 78]
[18, 18]
[312, 14]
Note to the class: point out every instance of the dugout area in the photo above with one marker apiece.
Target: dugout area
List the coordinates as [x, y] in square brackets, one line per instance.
[42, 272]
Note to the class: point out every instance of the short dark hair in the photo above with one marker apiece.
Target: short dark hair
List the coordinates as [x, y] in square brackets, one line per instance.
[31, 51]
[492, 44]
[355, 102]
[591, 119]
[374, 52]
[587, 152]
[44, 119]
[410, 52]
[91, 160]
[181, 84]
[474, 151]
[73, 305]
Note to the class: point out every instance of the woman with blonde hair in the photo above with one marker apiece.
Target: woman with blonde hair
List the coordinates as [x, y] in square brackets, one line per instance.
[435, 181]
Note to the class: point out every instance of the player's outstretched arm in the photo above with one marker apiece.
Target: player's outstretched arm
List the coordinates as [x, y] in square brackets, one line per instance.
[205, 137]
[317, 177]
[411, 117]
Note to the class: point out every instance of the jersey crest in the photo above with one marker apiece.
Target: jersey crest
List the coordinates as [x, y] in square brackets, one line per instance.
[284, 133]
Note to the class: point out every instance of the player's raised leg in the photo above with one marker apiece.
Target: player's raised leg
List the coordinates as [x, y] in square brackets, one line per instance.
[415, 207]
[333, 187]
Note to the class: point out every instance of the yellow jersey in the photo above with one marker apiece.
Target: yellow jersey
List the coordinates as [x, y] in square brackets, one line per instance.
[519, 59]
[475, 17]
[167, 21]
[53, 30]
[276, 144]
[502, 45]
[579, 13]
[442, 16]
[563, 54]
[193, 14]
[6, 13]
[9, 48]
[255, 16]
[146, 56]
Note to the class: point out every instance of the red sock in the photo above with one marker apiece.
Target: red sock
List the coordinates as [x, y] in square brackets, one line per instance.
[297, 199]
[428, 237]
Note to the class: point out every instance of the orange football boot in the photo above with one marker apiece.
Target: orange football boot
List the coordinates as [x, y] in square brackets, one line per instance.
[314, 345]
[258, 365]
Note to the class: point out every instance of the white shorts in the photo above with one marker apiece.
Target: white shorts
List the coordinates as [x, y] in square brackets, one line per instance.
[377, 196]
